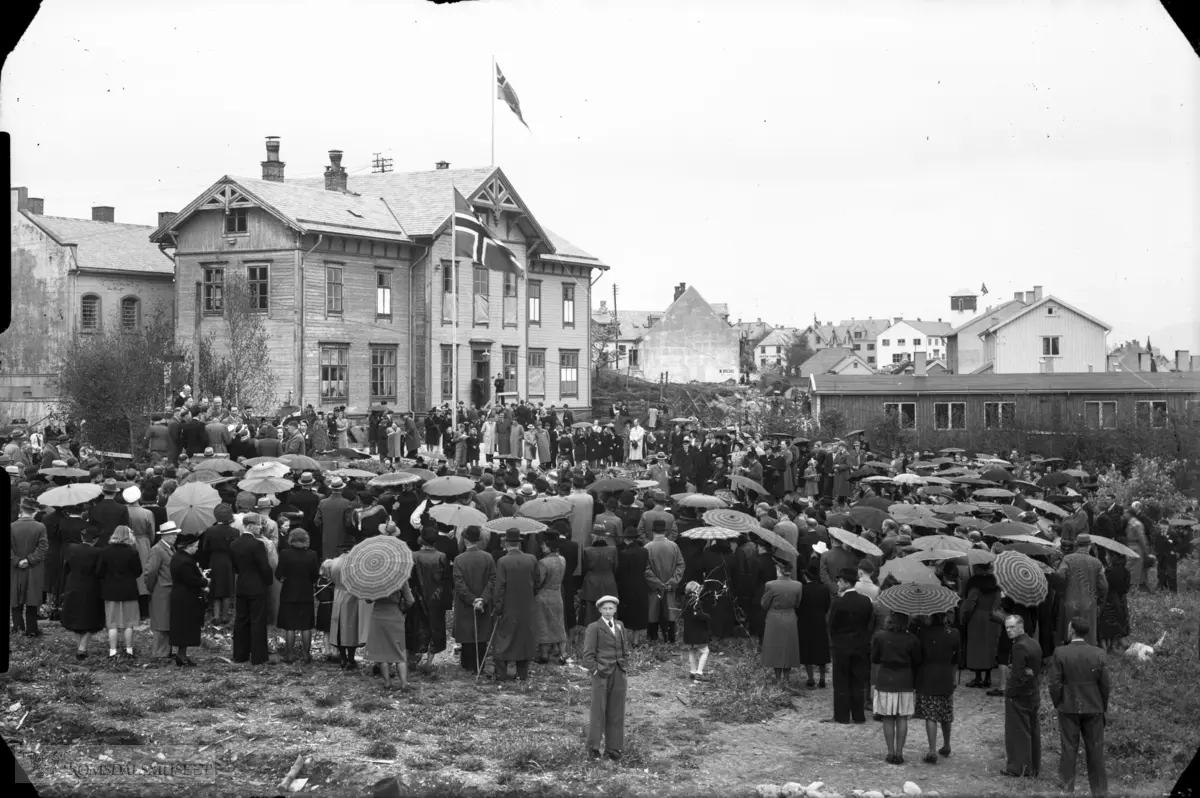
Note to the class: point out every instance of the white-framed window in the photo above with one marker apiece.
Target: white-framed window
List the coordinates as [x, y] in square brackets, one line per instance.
[633, 357]
[857, 334]
[905, 411]
[1050, 310]
[335, 372]
[886, 342]
[214, 290]
[1152, 413]
[568, 372]
[481, 292]
[871, 359]
[916, 342]
[1051, 345]
[870, 347]
[937, 353]
[568, 310]
[900, 342]
[508, 361]
[447, 372]
[949, 415]
[535, 302]
[536, 372]
[1100, 415]
[235, 221]
[333, 290]
[999, 415]
[383, 294]
[89, 313]
[131, 314]
[509, 300]
[383, 372]
[257, 281]
[898, 358]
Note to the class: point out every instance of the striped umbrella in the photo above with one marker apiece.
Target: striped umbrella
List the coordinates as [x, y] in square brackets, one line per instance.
[1020, 578]
[908, 571]
[265, 485]
[377, 567]
[918, 599]
[729, 519]
[710, 533]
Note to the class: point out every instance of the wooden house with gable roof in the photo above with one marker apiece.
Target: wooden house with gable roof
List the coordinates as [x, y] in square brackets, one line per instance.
[692, 342]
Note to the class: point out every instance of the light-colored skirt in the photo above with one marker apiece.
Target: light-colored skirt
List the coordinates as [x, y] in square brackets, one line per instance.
[892, 704]
[122, 614]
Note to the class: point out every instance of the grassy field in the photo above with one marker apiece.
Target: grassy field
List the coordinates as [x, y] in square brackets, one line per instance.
[456, 736]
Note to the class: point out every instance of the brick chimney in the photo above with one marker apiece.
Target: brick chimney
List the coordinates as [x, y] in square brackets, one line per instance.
[335, 173]
[1037, 293]
[1183, 360]
[1019, 295]
[679, 289]
[1195, 363]
[37, 205]
[19, 196]
[103, 213]
[166, 217]
[919, 364]
[1144, 360]
[272, 168]
[442, 165]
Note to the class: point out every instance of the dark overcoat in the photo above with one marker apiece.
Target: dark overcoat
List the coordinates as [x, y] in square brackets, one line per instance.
[28, 542]
[474, 577]
[187, 600]
[514, 640]
[82, 607]
[634, 609]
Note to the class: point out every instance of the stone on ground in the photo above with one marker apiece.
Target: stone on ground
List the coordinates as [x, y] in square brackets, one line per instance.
[911, 789]
[767, 790]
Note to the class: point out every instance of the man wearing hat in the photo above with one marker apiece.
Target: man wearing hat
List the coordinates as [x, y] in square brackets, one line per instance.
[108, 514]
[1086, 588]
[29, 544]
[582, 512]
[192, 434]
[330, 519]
[664, 574]
[157, 577]
[514, 607]
[851, 625]
[605, 648]
[474, 582]
[254, 578]
[13, 448]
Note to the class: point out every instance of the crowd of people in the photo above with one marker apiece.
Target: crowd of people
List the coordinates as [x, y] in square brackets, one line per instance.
[624, 541]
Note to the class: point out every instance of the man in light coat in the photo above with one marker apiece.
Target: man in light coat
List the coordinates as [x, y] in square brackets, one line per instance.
[157, 576]
[1135, 538]
[664, 572]
[655, 512]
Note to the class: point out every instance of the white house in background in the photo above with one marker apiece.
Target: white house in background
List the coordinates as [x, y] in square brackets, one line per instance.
[771, 352]
[899, 342]
[1046, 336]
[836, 360]
[964, 346]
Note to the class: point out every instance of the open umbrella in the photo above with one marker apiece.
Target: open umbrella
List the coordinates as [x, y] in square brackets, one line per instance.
[701, 500]
[221, 465]
[398, 478]
[930, 542]
[954, 508]
[1112, 545]
[726, 497]
[1006, 529]
[931, 480]
[774, 540]
[951, 450]
[354, 473]
[377, 567]
[854, 432]
[840, 520]
[545, 509]
[877, 464]
[346, 453]
[925, 521]
[1078, 473]
[1027, 548]
[918, 599]
[994, 493]
[1023, 483]
[936, 490]
[582, 425]
[457, 515]
[256, 461]
[1021, 578]
[729, 519]
[64, 471]
[70, 495]
[1053, 480]
[449, 486]
[1182, 522]
[611, 485]
[908, 479]
[263, 485]
[1047, 507]
[191, 507]
[968, 522]
[526, 526]
[681, 420]
[996, 474]
[898, 509]
[875, 480]
[420, 473]
[855, 542]
[908, 571]
[204, 477]
[1034, 539]
[870, 517]
[710, 533]
[976, 481]
[286, 411]
[878, 502]
[994, 461]
[972, 556]
[747, 484]
[299, 462]
[645, 484]
[922, 464]
[266, 470]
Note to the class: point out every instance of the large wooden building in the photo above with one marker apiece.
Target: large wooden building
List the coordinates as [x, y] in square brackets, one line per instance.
[355, 276]
[963, 410]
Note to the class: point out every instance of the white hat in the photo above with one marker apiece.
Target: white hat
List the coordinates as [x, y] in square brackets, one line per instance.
[819, 547]
[132, 494]
[58, 464]
[169, 528]
[606, 599]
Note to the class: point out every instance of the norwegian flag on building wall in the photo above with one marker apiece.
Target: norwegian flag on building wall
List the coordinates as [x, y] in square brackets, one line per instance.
[473, 240]
[505, 91]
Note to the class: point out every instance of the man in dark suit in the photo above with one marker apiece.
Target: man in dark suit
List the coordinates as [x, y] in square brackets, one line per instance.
[192, 434]
[254, 576]
[1079, 687]
[851, 624]
[685, 459]
[513, 609]
[331, 519]
[108, 514]
[305, 499]
[1022, 730]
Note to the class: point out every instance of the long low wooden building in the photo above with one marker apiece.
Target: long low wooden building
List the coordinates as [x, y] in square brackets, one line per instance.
[976, 410]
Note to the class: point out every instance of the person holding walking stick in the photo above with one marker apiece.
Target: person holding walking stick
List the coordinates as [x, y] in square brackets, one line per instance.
[474, 581]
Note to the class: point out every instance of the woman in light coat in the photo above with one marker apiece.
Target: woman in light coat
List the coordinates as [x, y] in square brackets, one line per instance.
[488, 443]
[350, 620]
[637, 446]
[342, 425]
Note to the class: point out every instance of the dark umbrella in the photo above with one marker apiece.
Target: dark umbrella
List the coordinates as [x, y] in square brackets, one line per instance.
[877, 502]
[611, 485]
[870, 517]
[997, 474]
[1006, 529]
[350, 454]
[1053, 479]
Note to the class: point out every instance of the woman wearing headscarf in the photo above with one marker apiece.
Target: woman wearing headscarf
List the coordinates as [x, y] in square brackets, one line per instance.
[188, 588]
[941, 650]
[119, 569]
[897, 653]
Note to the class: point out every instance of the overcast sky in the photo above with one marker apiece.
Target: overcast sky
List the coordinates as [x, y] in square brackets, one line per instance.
[787, 158]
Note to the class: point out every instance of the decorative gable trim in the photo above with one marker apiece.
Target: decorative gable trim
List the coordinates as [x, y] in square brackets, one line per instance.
[497, 194]
[225, 195]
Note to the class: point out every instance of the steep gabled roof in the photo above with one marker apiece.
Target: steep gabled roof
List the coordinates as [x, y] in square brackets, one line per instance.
[935, 328]
[824, 360]
[106, 246]
[1038, 304]
[777, 337]
[1001, 311]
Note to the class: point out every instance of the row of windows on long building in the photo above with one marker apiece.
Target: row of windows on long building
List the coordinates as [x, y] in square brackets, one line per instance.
[90, 313]
[1002, 415]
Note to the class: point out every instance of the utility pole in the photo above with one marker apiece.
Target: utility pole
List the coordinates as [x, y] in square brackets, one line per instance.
[381, 165]
[615, 329]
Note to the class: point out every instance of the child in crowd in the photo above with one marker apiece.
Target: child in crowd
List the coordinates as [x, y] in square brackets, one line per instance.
[695, 631]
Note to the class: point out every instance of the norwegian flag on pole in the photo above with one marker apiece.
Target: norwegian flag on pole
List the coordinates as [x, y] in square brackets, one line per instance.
[505, 91]
[473, 240]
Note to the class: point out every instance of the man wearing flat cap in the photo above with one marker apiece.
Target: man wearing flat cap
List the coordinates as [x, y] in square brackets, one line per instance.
[605, 648]
[514, 607]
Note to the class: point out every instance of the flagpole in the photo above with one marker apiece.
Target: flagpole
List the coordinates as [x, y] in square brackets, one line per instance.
[492, 94]
[454, 279]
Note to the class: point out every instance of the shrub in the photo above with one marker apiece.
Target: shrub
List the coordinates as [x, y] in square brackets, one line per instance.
[381, 749]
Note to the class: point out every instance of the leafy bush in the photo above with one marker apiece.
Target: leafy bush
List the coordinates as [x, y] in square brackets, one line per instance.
[1151, 481]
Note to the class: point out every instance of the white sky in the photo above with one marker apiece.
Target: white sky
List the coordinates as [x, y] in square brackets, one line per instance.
[788, 158]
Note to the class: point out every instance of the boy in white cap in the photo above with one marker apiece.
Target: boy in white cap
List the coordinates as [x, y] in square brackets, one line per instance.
[604, 652]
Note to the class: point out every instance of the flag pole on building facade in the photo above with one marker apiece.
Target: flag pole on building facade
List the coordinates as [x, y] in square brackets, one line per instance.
[492, 90]
[454, 278]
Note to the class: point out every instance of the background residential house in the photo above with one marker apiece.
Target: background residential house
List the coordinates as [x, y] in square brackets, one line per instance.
[964, 346]
[71, 277]
[835, 360]
[621, 353]
[857, 335]
[771, 351]
[691, 342]
[904, 338]
[1133, 356]
[1047, 335]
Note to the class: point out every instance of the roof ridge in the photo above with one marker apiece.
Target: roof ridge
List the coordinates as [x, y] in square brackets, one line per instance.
[92, 221]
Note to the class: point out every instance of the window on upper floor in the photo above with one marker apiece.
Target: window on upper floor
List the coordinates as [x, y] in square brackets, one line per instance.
[858, 334]
[870, 347]
[916, 342]
[886, 342]
[898, 358]
[568, 311]
[383, 294]
[535, 301]
[1051, 345]
[257, 281]
[235, 221]
[333, 290]
[899, 342]
[214, 290]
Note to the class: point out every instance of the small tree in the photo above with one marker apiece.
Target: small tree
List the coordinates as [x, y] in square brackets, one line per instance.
[797, 352]
[113, 381]
[1151, 481]
[833, 422]
[236, 364]
[886, 433]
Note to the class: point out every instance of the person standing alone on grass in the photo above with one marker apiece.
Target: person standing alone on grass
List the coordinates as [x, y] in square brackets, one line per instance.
[1022, 729]
[1079, 687]
[604, 650]
[695, 630]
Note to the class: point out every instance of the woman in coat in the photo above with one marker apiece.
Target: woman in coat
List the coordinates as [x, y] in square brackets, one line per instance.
[634, 607]
[341, 426]
[941, 650]
[812, 626]
[897, 652]
[297, 574]
[82, 607]
[716, 571]
[983, 633]
[386, 637]
[811, 477]
[215, 556]
[598, 570]
[544, 455]
[781, 598]
[549, 621]
[504, 425]
[350, 617]
[1113, 619]
[188, 599]
[119, 570]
